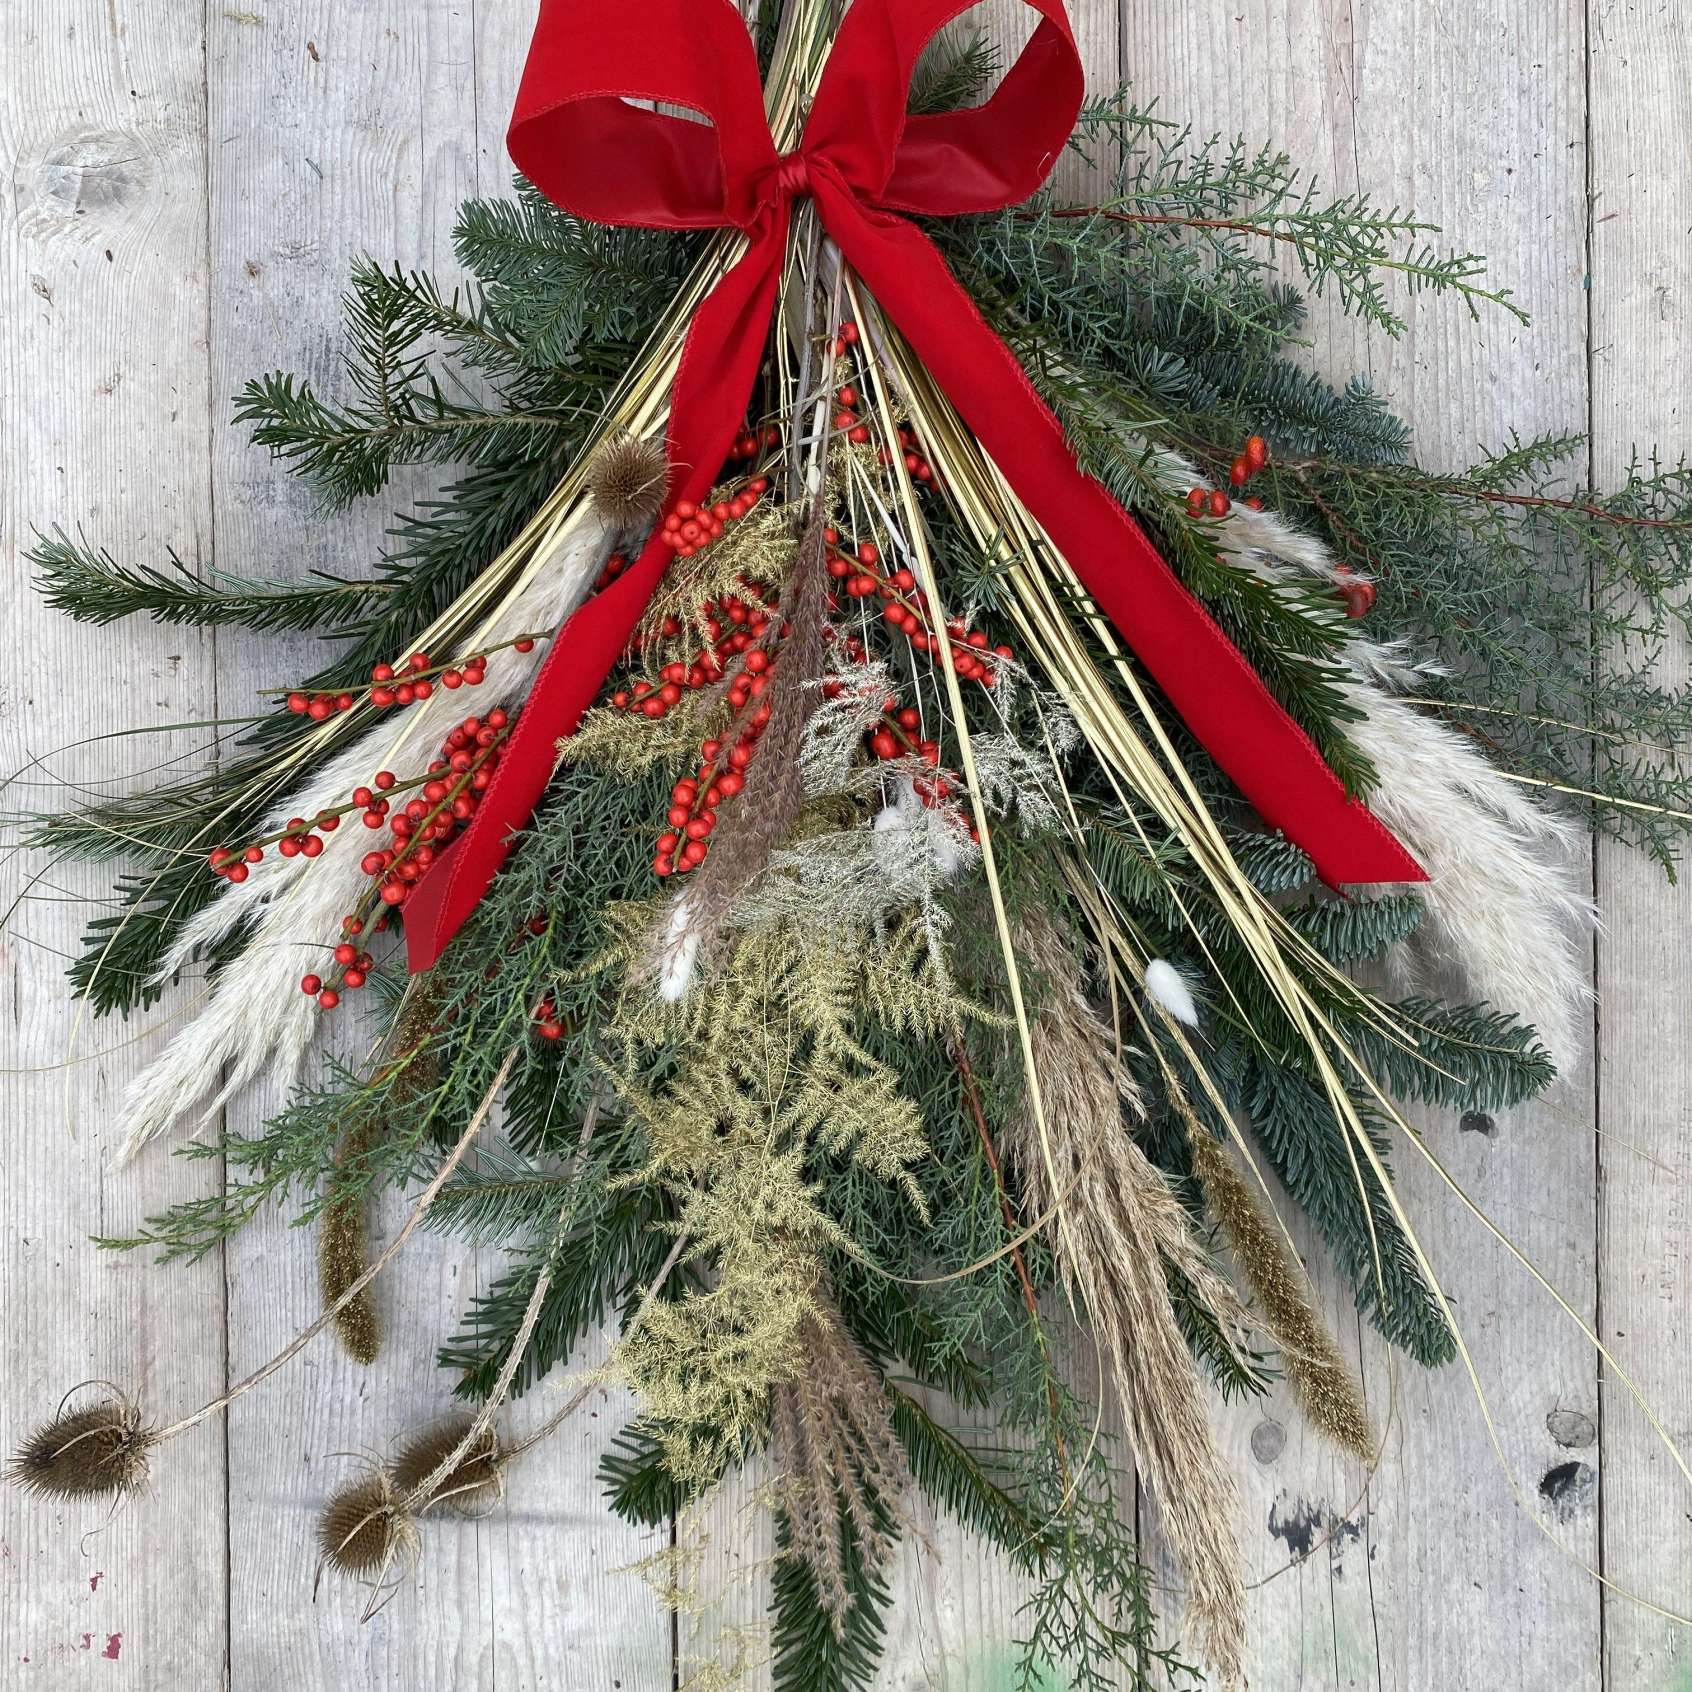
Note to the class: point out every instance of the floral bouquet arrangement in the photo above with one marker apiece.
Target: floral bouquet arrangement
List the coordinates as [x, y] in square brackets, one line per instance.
[886, 763]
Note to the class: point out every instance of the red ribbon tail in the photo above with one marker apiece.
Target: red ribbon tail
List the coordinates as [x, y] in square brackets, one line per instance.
[719, 361]
[1222, 699]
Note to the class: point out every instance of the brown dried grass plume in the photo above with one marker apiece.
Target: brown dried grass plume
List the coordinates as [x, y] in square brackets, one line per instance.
[364, 1529]
[627, 479]
[474, 1482]
[98, 1451]
[838, 1459]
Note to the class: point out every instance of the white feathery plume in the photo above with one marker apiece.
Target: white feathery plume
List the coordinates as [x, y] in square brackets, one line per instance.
[679, 952]
[1504, 908]
[257, 1020]
[1168, 987]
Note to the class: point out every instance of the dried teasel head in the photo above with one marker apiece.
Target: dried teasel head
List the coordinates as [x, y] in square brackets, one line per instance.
[99, 1451]
[471, 1486]
[365, 1531]
[627, 479]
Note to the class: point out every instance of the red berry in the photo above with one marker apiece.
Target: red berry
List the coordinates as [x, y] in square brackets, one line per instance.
[328, 998]
[384, 779]
[346, 953]
[1256, 452]
[1220, 504]
[354, 978]
[298, 703]
[1195, 502]
[311, 984]
[1359, 598]
[1239, 473]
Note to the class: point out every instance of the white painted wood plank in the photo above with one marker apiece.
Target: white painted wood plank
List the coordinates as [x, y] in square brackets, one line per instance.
[103, 382]
[344, 131]
[1445, 1583]
[1641, 60]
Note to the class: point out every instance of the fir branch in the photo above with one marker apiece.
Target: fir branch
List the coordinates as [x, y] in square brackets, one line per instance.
[809, 1654]
[91, 586]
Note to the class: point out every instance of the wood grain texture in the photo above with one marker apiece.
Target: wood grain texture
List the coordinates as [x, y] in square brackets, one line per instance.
[186, 192]
[103, 372]
[1641, 255]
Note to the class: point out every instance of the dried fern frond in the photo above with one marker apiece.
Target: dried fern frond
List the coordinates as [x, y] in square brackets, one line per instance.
[98, 1451]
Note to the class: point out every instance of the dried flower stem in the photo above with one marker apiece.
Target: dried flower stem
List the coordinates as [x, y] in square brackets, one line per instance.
[579, 1397]
[422, 1494]
[312, 1329]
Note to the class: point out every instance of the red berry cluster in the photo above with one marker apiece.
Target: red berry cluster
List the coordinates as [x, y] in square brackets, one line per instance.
[755, 441]
[848, 337]
[688, 527]
[354, 966]
[450, 791]
[732, 626]
[447, 795]
[414, 680]
[723, 761]
[548, 1024]
[905, 608]
[848, 423]
[1215, 501]
[916, 465]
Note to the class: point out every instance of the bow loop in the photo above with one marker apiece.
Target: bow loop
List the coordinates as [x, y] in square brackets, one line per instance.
[577, 138]
[942, 164]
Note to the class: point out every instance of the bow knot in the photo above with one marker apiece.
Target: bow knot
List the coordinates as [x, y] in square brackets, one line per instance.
[793, 176]
[863, 161]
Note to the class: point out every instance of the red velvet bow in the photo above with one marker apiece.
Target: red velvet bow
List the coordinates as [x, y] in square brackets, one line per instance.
[863, 160]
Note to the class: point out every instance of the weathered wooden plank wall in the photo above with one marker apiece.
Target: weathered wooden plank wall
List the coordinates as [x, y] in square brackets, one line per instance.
[186, 188]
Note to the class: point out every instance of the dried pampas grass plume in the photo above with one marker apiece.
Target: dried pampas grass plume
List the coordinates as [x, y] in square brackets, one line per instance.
[471, 1486]
[365, 1530]
[99, 1451]
[838, 1458]
[627, 478]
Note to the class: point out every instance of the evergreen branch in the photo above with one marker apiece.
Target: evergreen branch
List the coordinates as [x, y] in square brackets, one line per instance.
[93, 587]
[1340, 240]
[809, 1654]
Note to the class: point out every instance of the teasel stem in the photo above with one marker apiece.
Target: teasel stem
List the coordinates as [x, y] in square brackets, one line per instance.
[312, 1329]
[422, 1495]
[579, 1397]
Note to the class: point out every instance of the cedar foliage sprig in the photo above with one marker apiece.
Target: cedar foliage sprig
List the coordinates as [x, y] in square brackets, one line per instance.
[1544, 602]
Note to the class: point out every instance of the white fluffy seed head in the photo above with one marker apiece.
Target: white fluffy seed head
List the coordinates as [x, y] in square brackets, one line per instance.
[1167, 986]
